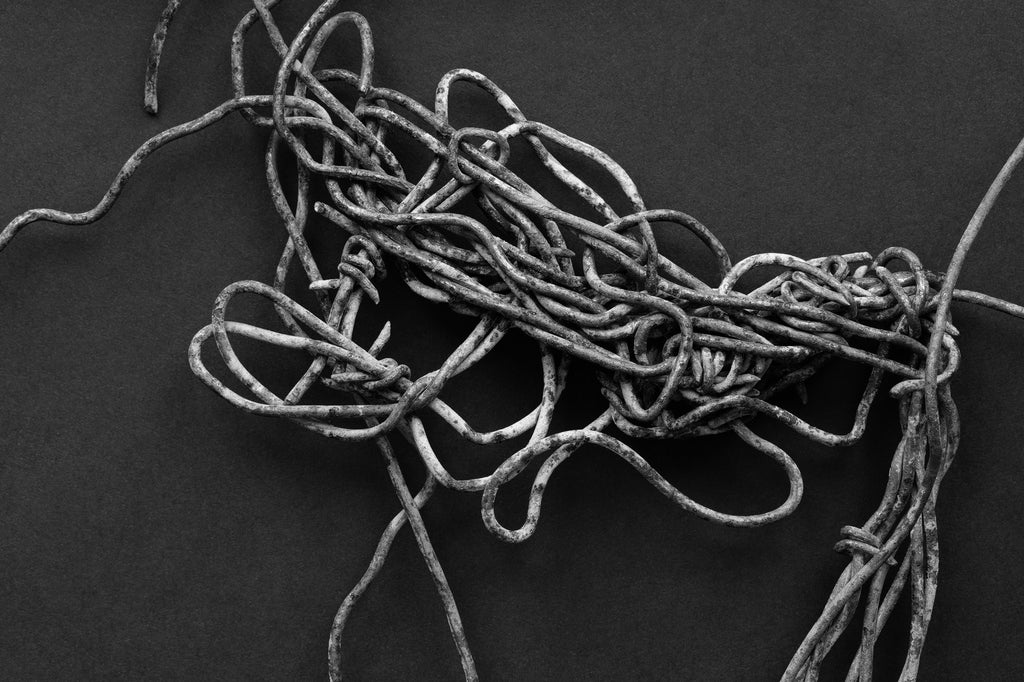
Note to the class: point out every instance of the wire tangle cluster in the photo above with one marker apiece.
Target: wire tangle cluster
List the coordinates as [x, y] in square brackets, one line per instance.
[675, 356]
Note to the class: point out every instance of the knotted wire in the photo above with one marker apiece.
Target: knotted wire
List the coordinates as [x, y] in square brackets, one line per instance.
[675, 356]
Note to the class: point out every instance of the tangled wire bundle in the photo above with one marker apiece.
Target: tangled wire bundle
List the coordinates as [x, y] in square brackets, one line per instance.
[675, 356]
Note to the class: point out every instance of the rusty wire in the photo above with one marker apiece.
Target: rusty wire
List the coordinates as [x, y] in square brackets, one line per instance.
[675, 356]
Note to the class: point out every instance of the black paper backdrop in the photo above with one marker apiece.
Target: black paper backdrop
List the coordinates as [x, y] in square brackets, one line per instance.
[148, 530]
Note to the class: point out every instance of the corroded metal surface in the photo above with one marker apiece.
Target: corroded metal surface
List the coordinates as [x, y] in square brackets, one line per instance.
[676, 356]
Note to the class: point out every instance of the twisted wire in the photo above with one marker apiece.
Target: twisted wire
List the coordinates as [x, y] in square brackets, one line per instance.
[675, 356]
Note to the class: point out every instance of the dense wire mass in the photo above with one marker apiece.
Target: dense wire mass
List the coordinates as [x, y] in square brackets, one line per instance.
[675, 356]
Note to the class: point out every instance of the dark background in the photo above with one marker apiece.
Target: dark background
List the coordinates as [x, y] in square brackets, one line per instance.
[149, 530]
